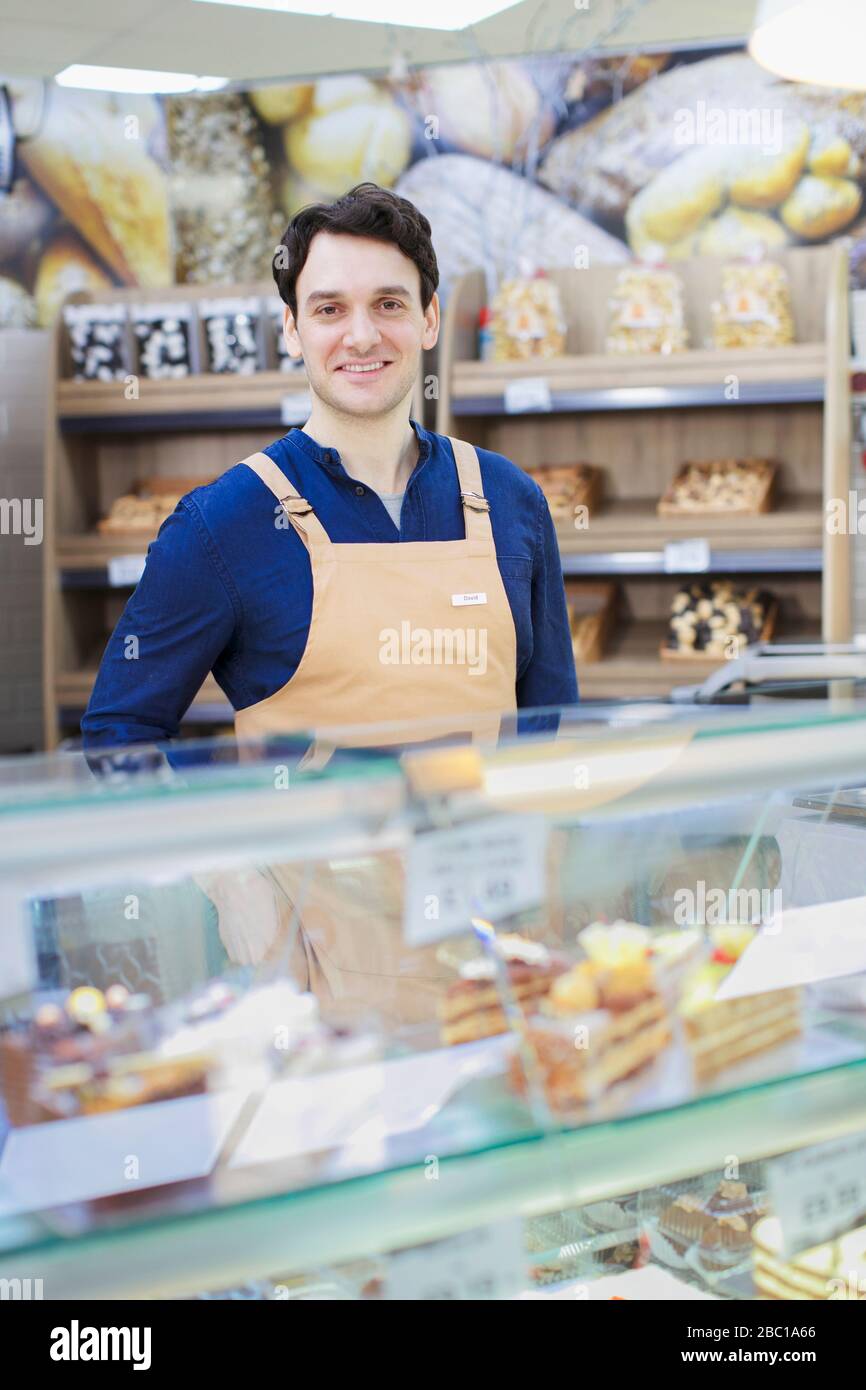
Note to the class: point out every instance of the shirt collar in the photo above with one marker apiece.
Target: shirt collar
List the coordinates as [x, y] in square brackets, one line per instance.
[330, 458]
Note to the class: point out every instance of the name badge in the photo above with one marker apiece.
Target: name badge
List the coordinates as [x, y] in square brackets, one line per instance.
[461, 600]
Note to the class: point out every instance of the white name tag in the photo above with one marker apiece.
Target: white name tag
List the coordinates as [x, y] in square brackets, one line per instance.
[460, 600]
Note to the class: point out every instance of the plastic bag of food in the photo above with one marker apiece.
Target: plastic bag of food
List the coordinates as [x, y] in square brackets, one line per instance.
[645, 312]
[754, 310]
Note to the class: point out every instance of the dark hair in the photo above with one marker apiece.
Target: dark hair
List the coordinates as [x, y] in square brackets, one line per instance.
[366, 210]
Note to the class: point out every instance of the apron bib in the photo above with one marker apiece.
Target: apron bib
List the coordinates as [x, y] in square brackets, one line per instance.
[399, 631]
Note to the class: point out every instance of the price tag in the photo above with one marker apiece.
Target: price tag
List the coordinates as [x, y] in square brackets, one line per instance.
[477, 1265]
[18, 966]
[492, 867]
[687, 557]
[124, 570]
[295, 409]
[819, 1193]
[527, 393]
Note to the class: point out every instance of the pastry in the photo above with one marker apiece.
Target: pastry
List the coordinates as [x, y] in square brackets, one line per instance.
[354, 130]
[715, 620]
[719, 485]
[679, 199]
[471, 1007]
[834, 1270]
[720, 1033]
[591, 614]
[601, 1022]
[684, 1221]
[278, 104]
[493, 110]
[568, 487]
[820, 207]
[645, 312]
[527, 320]
[144, 510]
[754, 309]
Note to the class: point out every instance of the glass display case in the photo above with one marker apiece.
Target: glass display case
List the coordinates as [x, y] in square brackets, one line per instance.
[577, 1014]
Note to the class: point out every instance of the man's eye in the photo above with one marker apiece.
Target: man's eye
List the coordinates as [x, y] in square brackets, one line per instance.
[391, 303]
[326, 307]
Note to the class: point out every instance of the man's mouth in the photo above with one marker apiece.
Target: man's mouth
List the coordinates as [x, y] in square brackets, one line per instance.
[363, 368]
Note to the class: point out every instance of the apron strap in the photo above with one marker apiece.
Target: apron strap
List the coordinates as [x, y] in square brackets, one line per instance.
[476, 508]
[297, 508]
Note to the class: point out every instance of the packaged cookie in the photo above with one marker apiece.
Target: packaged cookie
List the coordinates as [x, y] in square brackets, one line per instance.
[231, 329]
[716, 620]
[97, 341]
[645, 312]
[527, 319]
[754, 310]
[163, 334]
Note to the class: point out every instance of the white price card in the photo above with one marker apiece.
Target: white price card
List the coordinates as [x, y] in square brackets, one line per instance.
[687, 557]
[124, 570]
[819, 1193]
[295, 409]
[489, 868]
[488, 1263]
[18, 966]
[527, 393]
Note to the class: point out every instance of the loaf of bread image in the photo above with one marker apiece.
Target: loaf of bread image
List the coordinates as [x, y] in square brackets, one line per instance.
[821, 206]
[600, 167]
[484, 215]
[492, 110]
[65, 267]
[106, 184]
[737, 231]
[354, 131]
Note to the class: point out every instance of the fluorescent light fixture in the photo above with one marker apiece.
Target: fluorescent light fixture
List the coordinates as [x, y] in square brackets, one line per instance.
[411, 14]
[820, 41]
[135, 80]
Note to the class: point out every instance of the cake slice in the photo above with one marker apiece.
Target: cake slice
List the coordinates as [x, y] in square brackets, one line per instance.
[721, 1032]
[834, 1270]
[471, 1007]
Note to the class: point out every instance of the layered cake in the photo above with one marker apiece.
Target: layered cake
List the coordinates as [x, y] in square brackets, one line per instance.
[471, 1007]
[721, 1032]
[719, 1226]
[835, 1270]
[601, 1022]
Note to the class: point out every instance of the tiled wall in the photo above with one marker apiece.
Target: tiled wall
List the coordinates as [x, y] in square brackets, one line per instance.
[23, 400]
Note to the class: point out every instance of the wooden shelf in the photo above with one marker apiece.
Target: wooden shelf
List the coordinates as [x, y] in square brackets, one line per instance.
[633, 669]
[634, 524]
[601, 381]
[193, 402]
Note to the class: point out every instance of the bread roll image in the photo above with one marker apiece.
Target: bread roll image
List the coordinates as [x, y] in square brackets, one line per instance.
[484, 215]
[820, 207]
[736, 231]
[679, 199]
[108, 186]
[277, 105]
[342, 145]
[491, 110]
[66, 267]
[831, 154]
[17, 307]
[761, 178]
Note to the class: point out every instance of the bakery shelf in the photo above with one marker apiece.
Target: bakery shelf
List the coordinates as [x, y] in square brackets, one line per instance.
[194, 402]
[769, 376]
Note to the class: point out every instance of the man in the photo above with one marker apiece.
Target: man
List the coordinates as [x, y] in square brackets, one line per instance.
[361, 570]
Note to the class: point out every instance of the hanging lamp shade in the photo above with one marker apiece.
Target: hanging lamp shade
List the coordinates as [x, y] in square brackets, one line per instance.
[820, 41]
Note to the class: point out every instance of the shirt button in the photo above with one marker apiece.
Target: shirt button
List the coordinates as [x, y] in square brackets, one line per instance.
[359, 491]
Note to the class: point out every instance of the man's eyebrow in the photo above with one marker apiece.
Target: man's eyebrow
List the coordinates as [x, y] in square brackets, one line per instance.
[319, 295]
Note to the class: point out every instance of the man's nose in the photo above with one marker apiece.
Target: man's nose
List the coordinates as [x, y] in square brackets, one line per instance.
[361, 332]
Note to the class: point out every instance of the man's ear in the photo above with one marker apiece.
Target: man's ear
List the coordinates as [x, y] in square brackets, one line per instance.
[430, 335]
[290, 333]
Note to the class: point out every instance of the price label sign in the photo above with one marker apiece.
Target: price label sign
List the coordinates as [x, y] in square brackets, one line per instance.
[489, 1263]
[527, 393]
[295, 409]
[124, 570]
[687, 557]
[819, 1193]
[492, 867]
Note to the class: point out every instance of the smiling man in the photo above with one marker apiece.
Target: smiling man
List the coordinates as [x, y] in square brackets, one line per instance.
[361, 569]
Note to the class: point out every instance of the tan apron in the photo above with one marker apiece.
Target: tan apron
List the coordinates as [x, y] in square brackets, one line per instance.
[399, 631]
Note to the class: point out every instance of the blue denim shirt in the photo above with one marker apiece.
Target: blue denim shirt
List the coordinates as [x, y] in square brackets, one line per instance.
[225, 590]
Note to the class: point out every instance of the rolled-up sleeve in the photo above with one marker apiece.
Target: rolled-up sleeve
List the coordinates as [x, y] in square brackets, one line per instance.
[171, 633]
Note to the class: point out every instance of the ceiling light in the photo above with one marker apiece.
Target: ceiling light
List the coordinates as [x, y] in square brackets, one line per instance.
[820, 41]
[135, 80]
[411, 14]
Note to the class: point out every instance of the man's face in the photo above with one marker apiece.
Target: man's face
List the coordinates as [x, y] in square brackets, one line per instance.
[359, 306]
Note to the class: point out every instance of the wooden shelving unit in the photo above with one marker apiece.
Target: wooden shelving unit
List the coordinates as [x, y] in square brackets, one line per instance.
[98, 445]
[639, 418]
